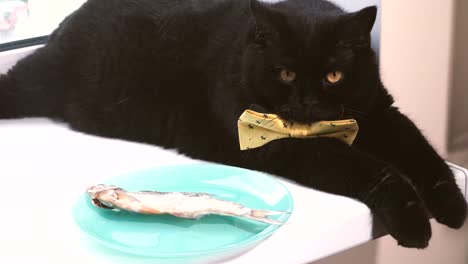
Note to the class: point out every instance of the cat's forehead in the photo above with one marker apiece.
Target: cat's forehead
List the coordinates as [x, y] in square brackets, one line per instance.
[311, 38]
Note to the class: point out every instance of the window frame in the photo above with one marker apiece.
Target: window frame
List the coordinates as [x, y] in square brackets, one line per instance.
[23, 43]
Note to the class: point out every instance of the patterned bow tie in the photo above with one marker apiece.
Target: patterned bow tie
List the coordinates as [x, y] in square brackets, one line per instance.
[257, 129]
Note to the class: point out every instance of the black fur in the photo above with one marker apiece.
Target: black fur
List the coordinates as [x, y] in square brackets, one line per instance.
[179, 73]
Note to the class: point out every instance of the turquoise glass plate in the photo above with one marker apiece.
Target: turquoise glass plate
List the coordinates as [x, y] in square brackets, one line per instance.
[169, 237]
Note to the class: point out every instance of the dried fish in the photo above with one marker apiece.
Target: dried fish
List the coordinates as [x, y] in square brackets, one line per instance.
[180, 204]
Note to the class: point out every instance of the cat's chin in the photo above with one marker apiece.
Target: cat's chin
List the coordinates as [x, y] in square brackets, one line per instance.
[308, 118]
[301, 120]
[304, 116]
[307, 115]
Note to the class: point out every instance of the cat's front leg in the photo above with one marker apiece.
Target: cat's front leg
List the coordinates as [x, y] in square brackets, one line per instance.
[392, 136]
[332, 166]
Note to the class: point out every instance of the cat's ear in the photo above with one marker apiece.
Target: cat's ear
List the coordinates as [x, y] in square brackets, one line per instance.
[267, 22]
[355, 28]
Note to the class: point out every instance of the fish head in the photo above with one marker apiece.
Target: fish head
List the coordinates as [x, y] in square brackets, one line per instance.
[101, 194]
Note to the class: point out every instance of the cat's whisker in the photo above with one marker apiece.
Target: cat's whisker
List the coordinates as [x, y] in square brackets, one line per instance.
[342, 111]
[355, 112]
[122, 101]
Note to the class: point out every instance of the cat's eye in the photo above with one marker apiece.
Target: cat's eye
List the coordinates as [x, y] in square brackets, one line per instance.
[334, 77]
[287, 75]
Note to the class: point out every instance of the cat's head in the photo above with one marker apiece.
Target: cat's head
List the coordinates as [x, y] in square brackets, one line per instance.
[306, 65]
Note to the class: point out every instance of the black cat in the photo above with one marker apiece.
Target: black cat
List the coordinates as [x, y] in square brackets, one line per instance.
[179, 73]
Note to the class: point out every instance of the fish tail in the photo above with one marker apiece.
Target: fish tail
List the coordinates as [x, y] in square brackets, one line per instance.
[267, 212]
[262, 216]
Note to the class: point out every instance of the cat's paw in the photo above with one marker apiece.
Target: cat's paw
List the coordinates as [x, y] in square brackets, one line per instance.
[409, 225]
[395, 201]
[447, 204]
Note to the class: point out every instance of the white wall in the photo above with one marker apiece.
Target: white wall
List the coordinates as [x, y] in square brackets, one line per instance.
[416, 61]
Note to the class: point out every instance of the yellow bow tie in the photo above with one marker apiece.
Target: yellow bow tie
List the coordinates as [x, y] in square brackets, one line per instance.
[257, 129]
